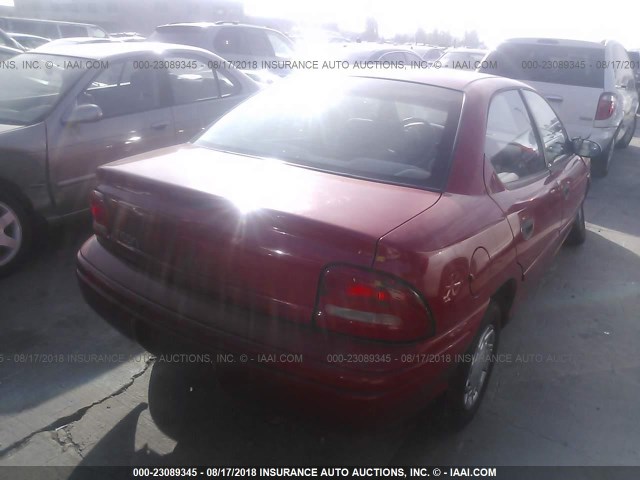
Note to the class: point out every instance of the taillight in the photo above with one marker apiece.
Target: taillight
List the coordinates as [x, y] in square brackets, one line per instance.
[99, 213]
[371, 304]
[606, 106]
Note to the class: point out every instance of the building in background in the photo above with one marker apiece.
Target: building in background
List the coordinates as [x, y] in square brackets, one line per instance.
[130, 15]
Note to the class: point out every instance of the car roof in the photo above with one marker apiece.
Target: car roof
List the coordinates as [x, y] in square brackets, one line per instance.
[25, 35]
[466, 50]
[101, 51]
[10, 50]
[61, 22]
[207, 25]
[452, 79]
[555, 41]
[366, 49]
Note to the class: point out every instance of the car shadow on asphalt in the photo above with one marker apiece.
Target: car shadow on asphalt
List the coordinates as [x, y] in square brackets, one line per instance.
[49, 334]
[613, 201]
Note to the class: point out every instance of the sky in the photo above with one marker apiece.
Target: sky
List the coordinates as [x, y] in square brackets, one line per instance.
[494, 20]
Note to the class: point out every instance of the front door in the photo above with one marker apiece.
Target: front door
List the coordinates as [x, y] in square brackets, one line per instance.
[135, 118]
[531, 199]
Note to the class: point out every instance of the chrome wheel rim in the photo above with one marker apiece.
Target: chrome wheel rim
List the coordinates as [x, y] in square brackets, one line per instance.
[480, 365]
[10, 234]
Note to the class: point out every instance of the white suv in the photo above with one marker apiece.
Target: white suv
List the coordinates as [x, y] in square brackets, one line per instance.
[590, 85]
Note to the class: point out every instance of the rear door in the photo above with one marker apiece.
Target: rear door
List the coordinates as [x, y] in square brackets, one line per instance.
[136, 119]
[531, 199]
[201, 93]
[571, 78]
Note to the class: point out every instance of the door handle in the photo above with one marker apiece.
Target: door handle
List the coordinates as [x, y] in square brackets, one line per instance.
[160, 125]
[554, 98]
[526, 228]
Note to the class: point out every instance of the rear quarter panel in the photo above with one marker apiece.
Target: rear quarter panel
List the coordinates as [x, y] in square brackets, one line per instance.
[435, 253]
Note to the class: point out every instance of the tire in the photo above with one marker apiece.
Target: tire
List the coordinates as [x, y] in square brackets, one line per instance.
[600, 165]
[469, 383]
[179, 396]
[16, 232]
[578, 233]
[628, 135]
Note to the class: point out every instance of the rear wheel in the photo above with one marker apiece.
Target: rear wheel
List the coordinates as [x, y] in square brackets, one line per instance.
[578, 233]
[469, 383]
[600, 165]
[626, 139]
[179, 396]
[15, 233]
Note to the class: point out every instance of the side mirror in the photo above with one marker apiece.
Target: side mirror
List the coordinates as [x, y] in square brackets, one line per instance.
[586, 148]
[84, 114]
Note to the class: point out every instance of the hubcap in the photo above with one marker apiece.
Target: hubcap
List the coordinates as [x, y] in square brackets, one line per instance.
[479, 369]
[10, 234]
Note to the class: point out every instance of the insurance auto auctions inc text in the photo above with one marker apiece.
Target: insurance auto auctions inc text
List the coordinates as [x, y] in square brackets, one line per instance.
[373, 472]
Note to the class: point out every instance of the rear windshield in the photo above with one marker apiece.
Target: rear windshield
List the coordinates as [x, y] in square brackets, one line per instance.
[181, 34]
[383, 130]
[578, 66]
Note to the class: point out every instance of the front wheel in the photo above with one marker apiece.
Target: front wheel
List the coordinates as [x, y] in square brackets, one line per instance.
[469, 383]
[578, 233]
[15, 233]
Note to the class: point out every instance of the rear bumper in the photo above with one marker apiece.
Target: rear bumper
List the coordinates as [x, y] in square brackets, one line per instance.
[602, 136]
[337, 374]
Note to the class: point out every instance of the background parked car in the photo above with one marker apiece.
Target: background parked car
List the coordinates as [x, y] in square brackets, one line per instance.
[7, 40]
[81, 41]
[247, 46]
[429, 53]
[634, 56]
[374, 52]
[6, 53]
[51, 28]
[591, 85]
[358, 215]
[29, 42]
[87, 105]
[462, 58]
[128, 36]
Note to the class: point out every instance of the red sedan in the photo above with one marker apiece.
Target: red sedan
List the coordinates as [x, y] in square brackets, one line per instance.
[359, 239]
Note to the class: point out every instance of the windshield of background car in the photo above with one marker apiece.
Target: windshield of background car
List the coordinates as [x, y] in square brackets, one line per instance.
[577, 66]
[376, 129]
[461, 59]
[32, 84]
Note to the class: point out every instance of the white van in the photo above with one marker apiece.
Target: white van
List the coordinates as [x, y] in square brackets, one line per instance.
[590, 85]
[50, 28]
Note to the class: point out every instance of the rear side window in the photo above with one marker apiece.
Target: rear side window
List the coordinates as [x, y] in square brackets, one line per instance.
[231, 41]
[382, 130]
[191, 80]
[181, 34]
[259, 44]
[73, 31]
[280, 45]
[511, 144]
[42, 29]
[577, 66]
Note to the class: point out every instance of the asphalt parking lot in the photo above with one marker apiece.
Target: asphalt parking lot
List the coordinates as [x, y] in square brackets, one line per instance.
[566, 393]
